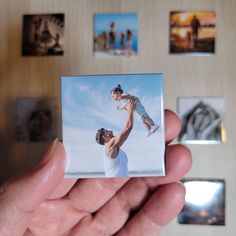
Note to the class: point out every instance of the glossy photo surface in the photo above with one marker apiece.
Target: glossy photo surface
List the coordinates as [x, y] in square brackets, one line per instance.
[91, 112]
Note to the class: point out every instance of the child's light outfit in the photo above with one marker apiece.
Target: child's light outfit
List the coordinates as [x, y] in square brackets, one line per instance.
[139, 108]
[139, 111]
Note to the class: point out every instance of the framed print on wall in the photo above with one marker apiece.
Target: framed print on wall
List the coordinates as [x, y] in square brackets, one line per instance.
[202, 120]
[43, 35]
[116, 34]
[192, 32]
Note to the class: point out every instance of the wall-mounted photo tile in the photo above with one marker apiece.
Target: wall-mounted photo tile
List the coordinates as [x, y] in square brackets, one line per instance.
[204, 202]
[112, 125]
[202, 120]
[36, 120]
[192, 32]
[116, 34]
[43, 35]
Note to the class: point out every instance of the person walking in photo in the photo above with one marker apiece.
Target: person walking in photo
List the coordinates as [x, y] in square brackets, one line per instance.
[119, 95]
[195, 25]
[115, 159]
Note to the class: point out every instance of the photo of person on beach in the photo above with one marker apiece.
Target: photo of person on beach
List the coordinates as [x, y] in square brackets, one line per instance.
[116, 34]
[192, 32]
[113, 142]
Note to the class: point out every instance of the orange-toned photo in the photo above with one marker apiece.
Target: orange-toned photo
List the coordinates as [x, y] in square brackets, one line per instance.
[192, 32]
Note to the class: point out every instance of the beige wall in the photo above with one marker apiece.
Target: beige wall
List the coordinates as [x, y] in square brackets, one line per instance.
[184, 76]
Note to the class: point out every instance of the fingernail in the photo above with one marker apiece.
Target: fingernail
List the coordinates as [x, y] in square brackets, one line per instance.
[49, 152]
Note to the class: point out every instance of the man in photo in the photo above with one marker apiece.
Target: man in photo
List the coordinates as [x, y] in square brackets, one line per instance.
[195, 25]
[115, 159]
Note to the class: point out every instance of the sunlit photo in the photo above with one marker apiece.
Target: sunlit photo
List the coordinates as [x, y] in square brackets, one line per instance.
[192, 32]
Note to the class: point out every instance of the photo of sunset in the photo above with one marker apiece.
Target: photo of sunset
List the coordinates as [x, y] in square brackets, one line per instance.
[192, 32]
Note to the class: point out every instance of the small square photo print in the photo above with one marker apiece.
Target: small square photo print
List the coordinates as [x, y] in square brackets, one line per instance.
[43, 35]
[192, 32]
[36, 119]
[204, 202]
[116, 34]
[202, 120]
[112, 125]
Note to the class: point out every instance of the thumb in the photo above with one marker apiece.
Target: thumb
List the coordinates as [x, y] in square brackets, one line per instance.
[21, 195]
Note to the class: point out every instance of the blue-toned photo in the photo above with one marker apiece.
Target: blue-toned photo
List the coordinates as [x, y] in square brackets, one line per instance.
[116, 34]
[112, 125]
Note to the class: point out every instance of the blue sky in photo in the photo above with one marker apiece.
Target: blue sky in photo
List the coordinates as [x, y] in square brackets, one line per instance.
[88, 105]
[122, 22]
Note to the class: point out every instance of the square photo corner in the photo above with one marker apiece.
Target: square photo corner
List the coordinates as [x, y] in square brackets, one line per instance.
[113, 125]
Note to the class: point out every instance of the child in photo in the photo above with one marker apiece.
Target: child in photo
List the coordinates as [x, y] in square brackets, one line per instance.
[119, 95]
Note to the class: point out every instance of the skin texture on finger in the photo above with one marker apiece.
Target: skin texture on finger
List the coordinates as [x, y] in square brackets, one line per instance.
[172, 126]
[90, 195]
[64, 187]
[47, 220]
[178, 163]
[115, 213]
[55, 217]
[160, 209]
[20, 196]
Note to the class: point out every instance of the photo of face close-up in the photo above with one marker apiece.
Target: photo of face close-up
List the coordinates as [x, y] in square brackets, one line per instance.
[43, 35]
[116, 35]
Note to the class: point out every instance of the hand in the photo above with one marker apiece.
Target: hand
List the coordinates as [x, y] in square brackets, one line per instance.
[131, 104]
[41, 202]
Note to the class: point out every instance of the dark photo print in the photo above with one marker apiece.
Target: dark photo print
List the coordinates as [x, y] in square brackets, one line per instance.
[43, 35]
[36, 120]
